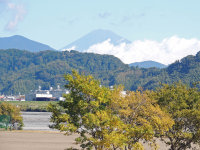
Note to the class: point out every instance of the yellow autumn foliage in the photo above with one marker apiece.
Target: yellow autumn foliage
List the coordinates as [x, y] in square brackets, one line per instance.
[108, 119]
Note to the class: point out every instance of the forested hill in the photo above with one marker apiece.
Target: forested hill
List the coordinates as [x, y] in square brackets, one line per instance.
[148, 64]
[22, 71]
[187, 70]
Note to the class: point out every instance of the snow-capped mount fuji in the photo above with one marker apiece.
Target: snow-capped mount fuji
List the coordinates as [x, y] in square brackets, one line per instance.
[95, 37]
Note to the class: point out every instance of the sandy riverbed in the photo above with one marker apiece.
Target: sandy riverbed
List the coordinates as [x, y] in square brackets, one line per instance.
[35, 140]
[41, 140]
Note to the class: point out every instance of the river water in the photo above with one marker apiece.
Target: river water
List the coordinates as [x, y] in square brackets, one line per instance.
[36, 120]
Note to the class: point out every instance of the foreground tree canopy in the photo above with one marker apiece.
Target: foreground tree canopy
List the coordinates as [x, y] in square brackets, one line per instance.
[183, 103]
[108, 119]
[13, 112]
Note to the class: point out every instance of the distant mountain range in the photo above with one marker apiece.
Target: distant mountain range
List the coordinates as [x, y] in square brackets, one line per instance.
[22, 43]
[95, 37]
[81, 45]
[24, 64]
[148, 64]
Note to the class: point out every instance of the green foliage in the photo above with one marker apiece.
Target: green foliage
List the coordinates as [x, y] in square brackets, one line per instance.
[183, 103]
[4, 121]
[186, 70]
[22, 71]
[39, 106]
[13, 112]
[105, 118]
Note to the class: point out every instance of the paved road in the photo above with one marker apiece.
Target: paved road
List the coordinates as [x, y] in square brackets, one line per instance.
[36, 120]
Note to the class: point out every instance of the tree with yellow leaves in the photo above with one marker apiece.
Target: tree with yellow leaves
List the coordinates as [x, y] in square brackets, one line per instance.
[183, 103]
[141, 114]
[105, 118]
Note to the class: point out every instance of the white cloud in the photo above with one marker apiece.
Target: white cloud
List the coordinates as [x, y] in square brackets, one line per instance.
[18, 12]
[167, 51]
[12, 13]
[69, 49]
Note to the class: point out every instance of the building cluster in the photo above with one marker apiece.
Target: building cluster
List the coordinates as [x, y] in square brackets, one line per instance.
[12, 98]
[39, 95]
[42, 95]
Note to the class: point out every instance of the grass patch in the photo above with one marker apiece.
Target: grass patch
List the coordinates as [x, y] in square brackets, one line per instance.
[39, 106]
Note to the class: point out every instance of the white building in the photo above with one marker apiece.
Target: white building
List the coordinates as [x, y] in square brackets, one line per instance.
[46, 95]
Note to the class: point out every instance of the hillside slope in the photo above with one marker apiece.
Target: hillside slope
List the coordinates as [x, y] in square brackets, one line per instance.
[22, 43]
[148, 64]
[22, 71]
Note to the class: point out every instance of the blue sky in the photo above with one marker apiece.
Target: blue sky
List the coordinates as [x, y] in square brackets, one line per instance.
[59, 22]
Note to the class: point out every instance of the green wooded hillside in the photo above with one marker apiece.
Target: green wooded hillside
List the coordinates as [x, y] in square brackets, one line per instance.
[22, 71]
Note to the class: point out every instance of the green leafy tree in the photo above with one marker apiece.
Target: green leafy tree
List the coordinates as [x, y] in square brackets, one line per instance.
[13, 112]
[85, 100]
[183, 104]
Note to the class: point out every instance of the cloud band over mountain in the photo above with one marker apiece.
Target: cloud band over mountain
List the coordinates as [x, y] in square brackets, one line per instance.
[167, 51]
